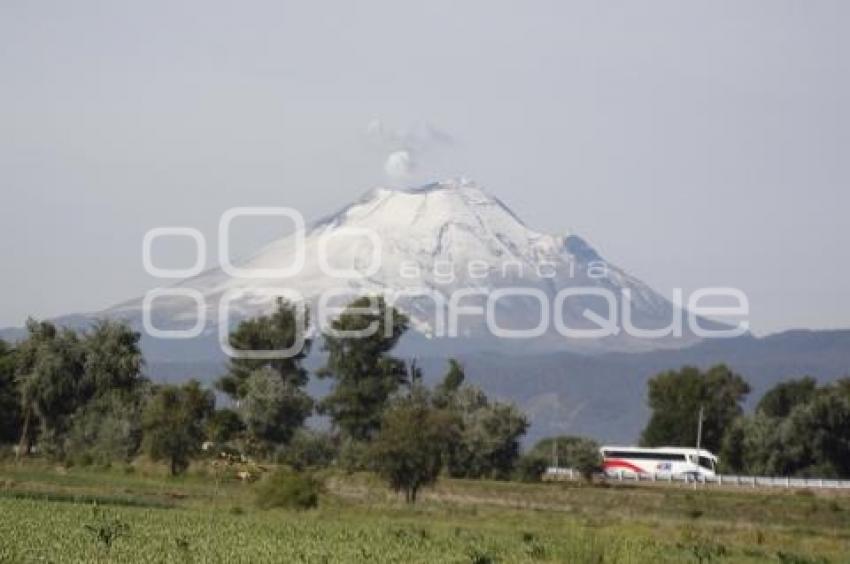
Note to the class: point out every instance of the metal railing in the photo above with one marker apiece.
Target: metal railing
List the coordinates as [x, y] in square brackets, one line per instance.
[568, 474]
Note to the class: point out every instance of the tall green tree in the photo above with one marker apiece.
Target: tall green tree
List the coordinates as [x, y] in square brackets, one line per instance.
[821, 428]
[488, 445]
[50, 368]
[105, 430]
[173, 423]
[798, 431]
[780, 400]
[409, 449]
[10, 399]
[272, 409]
[281, 330]
[112, 362]
[224, 425]
[447, 389]
[675, 398]
[752, 445]
[364, 374]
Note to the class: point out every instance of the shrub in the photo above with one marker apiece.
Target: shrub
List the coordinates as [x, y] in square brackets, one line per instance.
[530, 468]
[105, 528]
[106, 430]
[288, 489]
[354, 456]
[308, 449]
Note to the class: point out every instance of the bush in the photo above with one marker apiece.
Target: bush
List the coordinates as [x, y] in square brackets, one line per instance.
[106, 430]
[308, 449]
[530, 468]
[354, 456]
[288, 489]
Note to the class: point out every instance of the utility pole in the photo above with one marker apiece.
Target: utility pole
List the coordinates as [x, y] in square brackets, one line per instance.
[699, 430]
[555, 453]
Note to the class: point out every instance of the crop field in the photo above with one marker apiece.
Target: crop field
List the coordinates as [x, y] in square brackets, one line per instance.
[80, 515]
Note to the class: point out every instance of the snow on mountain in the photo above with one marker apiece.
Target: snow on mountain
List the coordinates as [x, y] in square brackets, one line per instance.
[440, 239]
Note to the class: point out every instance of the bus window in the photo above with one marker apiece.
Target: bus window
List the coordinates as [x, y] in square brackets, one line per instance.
[706, 462]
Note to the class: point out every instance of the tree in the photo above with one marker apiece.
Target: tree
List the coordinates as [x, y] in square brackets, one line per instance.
[488, 445]
[105, 430]
[269, 392]
[272, 409]
[530, 467]
[173, 423]
[60, 371]
[309, 449]
[780, 400]
[821, 428]
[112, 360]
[281, 330]
[585, 458]
[675, 398]
[224, 425]
[579, 453]
[50, 367]
[409, 448]
[10, 398]
[798, 431]
[364, 373]
[452, 381]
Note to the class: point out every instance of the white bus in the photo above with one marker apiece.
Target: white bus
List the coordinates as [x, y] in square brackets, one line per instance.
[662, 461]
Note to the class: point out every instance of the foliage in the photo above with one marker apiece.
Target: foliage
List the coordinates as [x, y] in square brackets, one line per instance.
[224, 426]
[585, 458]
[447, 390]
[364, 374]
[354, 455]
[281, 330]
[408, 450]
[812, 439]
[564, 450]
[107, 429]
[288, 489]
[61, 371]
[488, 445]
[272, 409]
[780, 400]
[675, 398]
[106, 528]
[10, 399]
[308, 449]
[173, 423]
[50, 366]
[530, 467]
[112, 360]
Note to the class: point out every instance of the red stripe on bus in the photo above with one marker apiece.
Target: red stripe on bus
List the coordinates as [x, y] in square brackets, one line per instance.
[621, 464]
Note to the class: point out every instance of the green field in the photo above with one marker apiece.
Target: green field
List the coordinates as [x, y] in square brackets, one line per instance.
[51, 514]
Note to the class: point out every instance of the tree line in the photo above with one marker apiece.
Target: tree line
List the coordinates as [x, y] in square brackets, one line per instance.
[81, 397]
[797, 428]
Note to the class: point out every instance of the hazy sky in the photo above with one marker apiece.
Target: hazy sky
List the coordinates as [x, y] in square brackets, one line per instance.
[693, 143]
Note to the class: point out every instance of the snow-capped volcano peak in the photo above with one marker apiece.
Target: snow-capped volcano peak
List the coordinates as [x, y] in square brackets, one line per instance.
[444, 238]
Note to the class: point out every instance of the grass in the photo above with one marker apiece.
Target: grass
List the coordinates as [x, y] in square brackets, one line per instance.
[85, 515]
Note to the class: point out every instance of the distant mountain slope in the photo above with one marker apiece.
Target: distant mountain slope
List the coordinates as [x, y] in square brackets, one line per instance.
[604, 396]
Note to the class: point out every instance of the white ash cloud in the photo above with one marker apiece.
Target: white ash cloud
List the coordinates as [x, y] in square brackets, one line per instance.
[406, 148]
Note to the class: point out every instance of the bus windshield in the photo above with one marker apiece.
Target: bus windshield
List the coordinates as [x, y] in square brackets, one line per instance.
[706, 462]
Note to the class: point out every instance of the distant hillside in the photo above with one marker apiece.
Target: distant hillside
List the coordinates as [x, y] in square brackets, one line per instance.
[603, 396]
